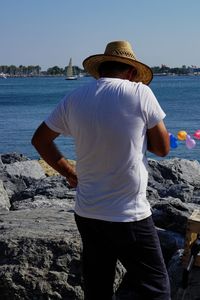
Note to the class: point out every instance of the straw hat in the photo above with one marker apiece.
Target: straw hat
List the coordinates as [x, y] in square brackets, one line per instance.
[119, 51]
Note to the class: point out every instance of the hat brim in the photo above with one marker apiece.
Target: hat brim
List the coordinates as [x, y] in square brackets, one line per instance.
[91, 65]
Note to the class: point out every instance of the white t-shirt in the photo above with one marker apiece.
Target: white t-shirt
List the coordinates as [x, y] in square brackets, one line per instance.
[108, 119]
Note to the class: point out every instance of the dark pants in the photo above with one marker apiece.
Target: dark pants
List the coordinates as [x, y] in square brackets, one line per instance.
[136, 245]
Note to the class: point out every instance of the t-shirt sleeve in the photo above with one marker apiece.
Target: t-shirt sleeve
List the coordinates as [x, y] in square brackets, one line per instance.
[151, 108]
[58, 119]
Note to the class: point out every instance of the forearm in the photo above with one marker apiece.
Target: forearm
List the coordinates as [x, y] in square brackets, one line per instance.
[158, 140]
[154, 150]
[43, 141]
[51, 154]
[58, 162]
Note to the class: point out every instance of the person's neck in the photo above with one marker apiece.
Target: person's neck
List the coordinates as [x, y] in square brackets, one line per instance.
[119, 76]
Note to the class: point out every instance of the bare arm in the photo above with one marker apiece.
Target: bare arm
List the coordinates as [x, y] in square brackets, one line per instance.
[43, 141]
[158, 140]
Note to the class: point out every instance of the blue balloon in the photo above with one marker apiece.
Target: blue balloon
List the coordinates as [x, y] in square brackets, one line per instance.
[173, 141]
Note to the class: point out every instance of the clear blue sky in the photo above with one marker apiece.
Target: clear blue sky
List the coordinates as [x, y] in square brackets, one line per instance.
[49, 32]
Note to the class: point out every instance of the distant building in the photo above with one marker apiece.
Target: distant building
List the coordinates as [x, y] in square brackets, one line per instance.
[194, 70]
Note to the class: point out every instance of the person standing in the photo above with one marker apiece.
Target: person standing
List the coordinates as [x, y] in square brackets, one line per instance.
[114, 120]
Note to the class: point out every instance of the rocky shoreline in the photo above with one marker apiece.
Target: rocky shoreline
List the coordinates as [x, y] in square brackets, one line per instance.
[40, 245]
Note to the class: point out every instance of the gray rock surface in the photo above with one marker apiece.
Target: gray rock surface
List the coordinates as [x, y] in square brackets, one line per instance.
[173, 192]
[46, 192]
[27, 168]
[39, 255]
[191, 288]
[4, 199]
[9, 158]
[39, 242]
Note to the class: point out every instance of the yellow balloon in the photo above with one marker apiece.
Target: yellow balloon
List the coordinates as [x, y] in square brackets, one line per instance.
[182, 135]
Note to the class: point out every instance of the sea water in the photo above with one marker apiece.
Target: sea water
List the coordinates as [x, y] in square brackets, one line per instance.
[26, 102]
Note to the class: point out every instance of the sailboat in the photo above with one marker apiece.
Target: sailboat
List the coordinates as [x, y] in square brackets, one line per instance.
[71, 75]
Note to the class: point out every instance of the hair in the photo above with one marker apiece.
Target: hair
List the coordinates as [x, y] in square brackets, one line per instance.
[110, 67]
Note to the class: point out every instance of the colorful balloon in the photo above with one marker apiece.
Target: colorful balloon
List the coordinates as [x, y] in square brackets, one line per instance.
[173, 141]
[190, 143]
[182, 135]
[197, 134]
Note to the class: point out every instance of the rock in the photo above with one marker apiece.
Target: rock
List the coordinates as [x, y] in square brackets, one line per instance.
[10, 158]
[50, 187]
[190, 291]
[178, 178]
[173, 192]
[43, 202]
[40, 255]
[27, 168]
[4, 199]
[172, 214]
[1, 164]
[12, 184]
[46, 192]
[176, 170]
[182, 191]
[170, 242]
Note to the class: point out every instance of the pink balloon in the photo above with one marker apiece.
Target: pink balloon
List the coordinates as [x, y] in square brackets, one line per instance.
[190, 143]
[197, 134]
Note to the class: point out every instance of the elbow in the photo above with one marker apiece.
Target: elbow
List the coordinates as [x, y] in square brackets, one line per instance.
[38, 137]
[161, 150]
[164, 147]
[164, 152]
[34, 141]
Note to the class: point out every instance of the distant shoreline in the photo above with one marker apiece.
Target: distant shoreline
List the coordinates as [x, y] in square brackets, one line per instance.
[32, 71]
[33, 76]
[61, 75]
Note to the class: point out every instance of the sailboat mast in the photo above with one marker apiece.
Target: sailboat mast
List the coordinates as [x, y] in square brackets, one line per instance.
[70, 72]
[69, 68]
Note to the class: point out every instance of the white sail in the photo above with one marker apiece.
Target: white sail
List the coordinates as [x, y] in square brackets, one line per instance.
[70, 75]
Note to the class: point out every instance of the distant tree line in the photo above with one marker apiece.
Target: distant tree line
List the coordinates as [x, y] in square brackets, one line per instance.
[57, 71]
[21, 70]
[60, 71]
[35, 70]
[166, 70]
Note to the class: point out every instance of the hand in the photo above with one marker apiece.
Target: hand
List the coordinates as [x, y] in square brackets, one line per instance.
[71, 176]
[72, 180]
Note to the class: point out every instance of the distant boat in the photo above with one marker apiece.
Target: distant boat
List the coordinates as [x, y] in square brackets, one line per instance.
[2, 75]
[71, 74]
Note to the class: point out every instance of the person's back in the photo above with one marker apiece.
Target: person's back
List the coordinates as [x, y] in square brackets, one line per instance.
[108, 119]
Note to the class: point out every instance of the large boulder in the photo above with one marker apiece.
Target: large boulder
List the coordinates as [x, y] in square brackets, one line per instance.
[4, 199]
[17, 172]
[177, 178]
[30, 169]
[10, 158]
[171, 214]
[39, 255]
[176, 170]
[184, 285]
[51, 191]
[173, 192]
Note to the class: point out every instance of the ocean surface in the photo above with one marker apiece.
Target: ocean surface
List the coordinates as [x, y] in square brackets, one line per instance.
[26, 102]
